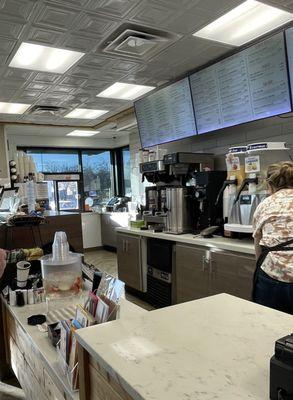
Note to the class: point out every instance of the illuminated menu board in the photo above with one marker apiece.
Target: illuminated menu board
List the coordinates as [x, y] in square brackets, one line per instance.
[247, 86]
[289, 41]
[166, 115]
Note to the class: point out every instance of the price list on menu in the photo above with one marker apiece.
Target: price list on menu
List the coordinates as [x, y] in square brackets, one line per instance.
[166, 115]
[250, 85]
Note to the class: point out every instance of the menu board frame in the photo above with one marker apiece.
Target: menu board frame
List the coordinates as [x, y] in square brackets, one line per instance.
[239, 51]
[152, 94]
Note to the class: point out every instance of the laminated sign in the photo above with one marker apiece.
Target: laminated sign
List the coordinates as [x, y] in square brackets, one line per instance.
[252, 164]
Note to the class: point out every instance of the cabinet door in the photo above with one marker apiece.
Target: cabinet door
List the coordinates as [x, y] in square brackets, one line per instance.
[129, 260]
[232, 274]
[192, 274]
[108, 231]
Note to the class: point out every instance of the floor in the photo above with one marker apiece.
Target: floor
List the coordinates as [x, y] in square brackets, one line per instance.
[107, 261]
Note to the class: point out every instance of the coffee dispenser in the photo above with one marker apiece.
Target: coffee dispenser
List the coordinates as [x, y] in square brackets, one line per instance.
[253, 188]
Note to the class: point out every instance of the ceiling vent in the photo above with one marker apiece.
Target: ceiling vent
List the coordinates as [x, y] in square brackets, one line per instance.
[46, 111]
[137, 42]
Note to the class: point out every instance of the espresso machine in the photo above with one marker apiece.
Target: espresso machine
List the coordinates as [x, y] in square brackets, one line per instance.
[253, 188]
[171, 203]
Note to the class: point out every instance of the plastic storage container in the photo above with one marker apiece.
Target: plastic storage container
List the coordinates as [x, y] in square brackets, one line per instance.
[61, 271]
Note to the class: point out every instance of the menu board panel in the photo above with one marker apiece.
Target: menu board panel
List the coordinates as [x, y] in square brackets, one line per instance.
[247, 86]
[289, 43]
[166, 115]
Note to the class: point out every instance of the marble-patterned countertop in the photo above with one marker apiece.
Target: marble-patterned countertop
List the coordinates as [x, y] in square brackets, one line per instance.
[213, 348]
[217, 242]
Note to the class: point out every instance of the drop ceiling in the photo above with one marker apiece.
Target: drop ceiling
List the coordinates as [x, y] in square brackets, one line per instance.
[86, 26]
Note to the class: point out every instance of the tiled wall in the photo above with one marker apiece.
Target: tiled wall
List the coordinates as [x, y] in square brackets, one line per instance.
[277, 129]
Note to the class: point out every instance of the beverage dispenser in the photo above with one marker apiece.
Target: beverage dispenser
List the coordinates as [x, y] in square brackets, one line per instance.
[235, 162]
[253, 188]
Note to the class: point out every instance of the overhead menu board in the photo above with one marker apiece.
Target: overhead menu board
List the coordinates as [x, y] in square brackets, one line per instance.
[247, 86]
[166, 115]
[289, 42]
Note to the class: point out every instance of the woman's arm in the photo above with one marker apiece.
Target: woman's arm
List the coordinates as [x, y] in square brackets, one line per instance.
[257, 247]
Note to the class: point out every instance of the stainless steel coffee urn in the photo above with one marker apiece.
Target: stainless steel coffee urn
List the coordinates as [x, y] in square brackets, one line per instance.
[178, 205]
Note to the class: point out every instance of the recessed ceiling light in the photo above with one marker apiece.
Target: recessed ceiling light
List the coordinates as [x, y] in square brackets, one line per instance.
[85, 113]
[13, 108]
[82, 133]
[245, 23]
[44, 58]
[125, 91]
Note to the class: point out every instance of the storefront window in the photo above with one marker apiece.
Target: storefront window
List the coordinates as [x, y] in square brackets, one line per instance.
[126, 171]
[55, 161]
[97, 176]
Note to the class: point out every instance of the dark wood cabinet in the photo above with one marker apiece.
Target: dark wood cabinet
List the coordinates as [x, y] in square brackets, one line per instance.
[202, 272]
[129, 260]
[231, 273]
[15, 237]
[192, 273]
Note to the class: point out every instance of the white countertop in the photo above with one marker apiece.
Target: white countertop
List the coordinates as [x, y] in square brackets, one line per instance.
[217, 242]
[43, 345]
[214, 348]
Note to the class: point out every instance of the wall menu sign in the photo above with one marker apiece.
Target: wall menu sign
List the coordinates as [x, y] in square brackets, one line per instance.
[250, 85]
[166, 115]
[289, 42]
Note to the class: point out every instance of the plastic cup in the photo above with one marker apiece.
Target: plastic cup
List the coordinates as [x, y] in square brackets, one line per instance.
[23, 268]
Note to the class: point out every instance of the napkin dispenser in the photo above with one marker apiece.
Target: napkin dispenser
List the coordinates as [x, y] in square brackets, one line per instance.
[281, 370]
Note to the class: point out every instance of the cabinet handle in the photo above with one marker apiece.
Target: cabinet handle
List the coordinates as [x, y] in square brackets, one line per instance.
[126, 246]
[123, 246]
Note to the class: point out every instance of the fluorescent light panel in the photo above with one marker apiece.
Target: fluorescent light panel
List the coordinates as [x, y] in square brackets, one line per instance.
[244, 23]
[125, 91]
[82, 133]
[13, 108]
[44, 58]
[85, 113]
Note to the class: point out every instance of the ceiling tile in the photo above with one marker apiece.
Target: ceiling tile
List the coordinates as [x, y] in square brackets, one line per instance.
[95, 25]
[6, 94]
[10, 29]
[38, 86]
[43, 36]
[17, 9]
[55, 17]
[46, 77]
[153, 13]
[73, 81]
[78, 43]
[119, 8]
[6, 45]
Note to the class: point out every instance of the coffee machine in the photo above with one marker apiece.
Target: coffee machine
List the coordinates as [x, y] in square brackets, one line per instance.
[171, 203]
[253, 188]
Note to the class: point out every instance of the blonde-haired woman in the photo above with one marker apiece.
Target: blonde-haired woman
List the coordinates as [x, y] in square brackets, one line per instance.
[273, 239]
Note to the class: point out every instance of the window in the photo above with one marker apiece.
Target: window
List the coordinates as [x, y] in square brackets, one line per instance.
[55, 161]
[68, 196]
[126, 171]
[98, 179]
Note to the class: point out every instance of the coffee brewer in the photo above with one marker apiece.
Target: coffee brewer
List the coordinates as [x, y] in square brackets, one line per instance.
[253, 188]
[171, 204]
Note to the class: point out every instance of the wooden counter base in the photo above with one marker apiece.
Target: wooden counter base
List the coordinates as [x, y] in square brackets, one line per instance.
[95, 382]
[26, 362]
